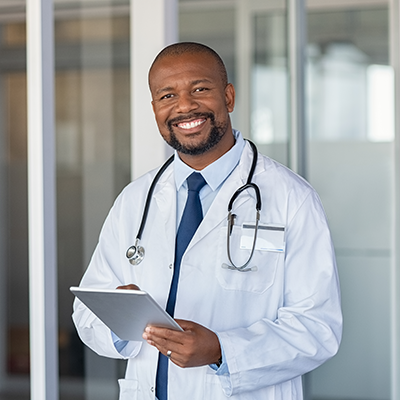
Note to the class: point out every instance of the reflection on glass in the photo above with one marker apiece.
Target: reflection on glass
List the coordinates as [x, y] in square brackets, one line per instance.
[338, 86]
[380, 84]
[349, 98]
[269, 85]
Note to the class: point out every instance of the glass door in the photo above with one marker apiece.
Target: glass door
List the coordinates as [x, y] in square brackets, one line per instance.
[350, 146]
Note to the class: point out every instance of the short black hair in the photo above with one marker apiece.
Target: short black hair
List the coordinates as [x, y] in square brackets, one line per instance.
[180, 48]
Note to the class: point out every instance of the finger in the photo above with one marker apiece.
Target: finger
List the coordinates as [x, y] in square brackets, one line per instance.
[161, 343]
[164, 340]
[131, 286]
[169, 349]
[158, 335]
[179, 354]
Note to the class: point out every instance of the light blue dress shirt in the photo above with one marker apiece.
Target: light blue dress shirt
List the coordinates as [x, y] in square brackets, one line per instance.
[214, 174]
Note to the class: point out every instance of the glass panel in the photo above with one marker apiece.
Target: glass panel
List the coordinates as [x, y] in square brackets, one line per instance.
[17, 232]
[350, 102]
[269, 85]
[93, 164]
[214, 28]
[14, 303]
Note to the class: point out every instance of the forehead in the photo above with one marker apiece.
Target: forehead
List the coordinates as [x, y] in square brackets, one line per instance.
[172, 70]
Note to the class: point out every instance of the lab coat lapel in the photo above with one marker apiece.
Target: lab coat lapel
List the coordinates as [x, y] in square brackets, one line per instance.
[165, 199]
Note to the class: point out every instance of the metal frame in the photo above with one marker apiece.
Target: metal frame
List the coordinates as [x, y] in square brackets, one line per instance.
[243, 15]
[297, 43]
[41, 197]
[297, 60]
[394, 14]
[3, 234]
[344, 4]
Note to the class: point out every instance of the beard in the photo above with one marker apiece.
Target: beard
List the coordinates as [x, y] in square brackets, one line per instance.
[216, 133]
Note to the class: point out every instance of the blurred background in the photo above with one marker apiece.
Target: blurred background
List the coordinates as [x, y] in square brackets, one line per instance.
[349, 153]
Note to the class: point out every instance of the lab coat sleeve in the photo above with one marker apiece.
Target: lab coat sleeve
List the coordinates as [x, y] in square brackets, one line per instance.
[102, 272]
[308, 325]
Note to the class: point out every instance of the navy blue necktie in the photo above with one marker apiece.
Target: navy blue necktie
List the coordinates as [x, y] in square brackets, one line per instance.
[191, 218]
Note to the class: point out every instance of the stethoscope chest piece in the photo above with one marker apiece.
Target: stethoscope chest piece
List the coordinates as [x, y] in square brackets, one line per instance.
[135, 254]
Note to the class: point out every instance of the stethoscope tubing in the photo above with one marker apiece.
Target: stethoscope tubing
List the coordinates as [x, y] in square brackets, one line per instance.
[231, 217]
[150, 195]
[136, 252]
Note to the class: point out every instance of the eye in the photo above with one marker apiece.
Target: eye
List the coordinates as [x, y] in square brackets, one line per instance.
[167, 96]
[201, 89]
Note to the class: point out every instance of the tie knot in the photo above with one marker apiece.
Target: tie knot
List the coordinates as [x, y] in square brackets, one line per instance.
[195, 182]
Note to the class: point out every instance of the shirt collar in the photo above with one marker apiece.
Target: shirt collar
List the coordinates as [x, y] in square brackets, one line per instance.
[215, 173]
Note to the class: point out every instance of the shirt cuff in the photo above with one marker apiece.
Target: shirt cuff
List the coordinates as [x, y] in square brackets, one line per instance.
[223, 368]
[119, 344]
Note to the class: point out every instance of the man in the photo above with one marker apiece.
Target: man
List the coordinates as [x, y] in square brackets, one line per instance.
[247, 334]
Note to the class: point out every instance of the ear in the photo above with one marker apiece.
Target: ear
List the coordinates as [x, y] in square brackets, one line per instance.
[152, 105]
[230, 97]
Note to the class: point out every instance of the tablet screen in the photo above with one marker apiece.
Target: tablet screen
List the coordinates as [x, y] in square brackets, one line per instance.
[125, 312]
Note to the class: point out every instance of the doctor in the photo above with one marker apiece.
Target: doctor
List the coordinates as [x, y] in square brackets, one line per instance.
[246, 335]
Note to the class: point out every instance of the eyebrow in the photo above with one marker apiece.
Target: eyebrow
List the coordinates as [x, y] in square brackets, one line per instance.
[193, 83]
[165, 89]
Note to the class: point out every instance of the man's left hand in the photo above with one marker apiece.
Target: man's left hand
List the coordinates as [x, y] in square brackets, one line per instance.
[193, 347]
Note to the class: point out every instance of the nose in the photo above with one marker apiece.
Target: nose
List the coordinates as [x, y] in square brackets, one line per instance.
[186, 103]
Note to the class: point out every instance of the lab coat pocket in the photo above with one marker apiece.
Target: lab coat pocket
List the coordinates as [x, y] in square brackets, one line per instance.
[128, 389]
[257, 276]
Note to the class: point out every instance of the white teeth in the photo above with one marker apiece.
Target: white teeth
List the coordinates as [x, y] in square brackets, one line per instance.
[190, 125]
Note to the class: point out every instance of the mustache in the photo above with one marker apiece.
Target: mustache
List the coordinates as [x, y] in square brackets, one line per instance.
[176, 120]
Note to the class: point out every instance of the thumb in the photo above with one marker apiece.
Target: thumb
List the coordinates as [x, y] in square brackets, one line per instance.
[186, 325]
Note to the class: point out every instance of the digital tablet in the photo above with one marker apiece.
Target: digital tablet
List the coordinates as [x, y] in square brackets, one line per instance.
[125, 312]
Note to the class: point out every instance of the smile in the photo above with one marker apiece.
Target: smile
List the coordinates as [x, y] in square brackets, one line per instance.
[191, 124]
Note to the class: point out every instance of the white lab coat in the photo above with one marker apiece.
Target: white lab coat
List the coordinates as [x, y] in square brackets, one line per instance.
[275, 324]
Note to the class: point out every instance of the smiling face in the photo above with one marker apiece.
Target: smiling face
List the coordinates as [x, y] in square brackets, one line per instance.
[191, 104]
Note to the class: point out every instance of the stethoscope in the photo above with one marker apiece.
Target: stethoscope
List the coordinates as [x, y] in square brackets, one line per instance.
[136, 253]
